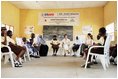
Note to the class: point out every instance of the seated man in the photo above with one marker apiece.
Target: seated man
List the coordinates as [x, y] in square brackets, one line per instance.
[43, 46]
[76, 45]
[55, 45]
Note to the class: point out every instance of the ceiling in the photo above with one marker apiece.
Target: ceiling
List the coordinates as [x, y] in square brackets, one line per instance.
[57, 4]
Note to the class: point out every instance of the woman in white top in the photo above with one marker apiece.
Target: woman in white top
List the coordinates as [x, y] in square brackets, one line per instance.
[55, 45]
[88, 43]
[66, 45]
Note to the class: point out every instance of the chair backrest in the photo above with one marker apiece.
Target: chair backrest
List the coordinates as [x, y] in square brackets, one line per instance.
[18, 41]
[107, 44]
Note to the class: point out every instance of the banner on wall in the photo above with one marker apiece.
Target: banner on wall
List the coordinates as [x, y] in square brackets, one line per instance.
[29, 29]
[87, 29]
[59, 18]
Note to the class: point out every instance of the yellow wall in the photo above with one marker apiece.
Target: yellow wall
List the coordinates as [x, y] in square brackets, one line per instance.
[88, 16]
[110, 15]
[19, 18]
[10, 15]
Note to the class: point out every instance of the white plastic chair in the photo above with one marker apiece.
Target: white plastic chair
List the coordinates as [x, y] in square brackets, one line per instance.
[27, 54]
[8, 55]
[104, 58]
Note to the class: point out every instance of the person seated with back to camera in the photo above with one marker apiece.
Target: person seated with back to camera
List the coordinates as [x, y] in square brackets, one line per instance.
[101, 37]
[18, 50]
[88, 43]
[76, 45]
[55, 45]
[66, 45]
[32, 50]
[43, 46]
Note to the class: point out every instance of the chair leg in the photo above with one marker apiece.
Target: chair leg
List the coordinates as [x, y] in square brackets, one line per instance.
[103, 62]
[92, 58]
[6, 59]
[86, 61]
[1, 56]
[28, 56]
[12, 60]
[107, 62]
[24, 57]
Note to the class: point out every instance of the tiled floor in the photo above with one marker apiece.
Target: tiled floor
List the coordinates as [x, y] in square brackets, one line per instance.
[57, 67]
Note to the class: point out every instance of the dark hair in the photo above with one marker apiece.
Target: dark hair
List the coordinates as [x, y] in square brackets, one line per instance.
[76, 37]
[91, 36]
[102, 31]
[24, 39]
[65, 35]
[54, 36]
[9, 33]
[32, 35]
[3, 28]
[98, 37]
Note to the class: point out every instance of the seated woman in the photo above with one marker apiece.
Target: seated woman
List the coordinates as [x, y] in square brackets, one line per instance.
[55, 45]
[32, 50]
[66, 45]
[88, 43]
[102, 38]
[76, 45]
[18, 50]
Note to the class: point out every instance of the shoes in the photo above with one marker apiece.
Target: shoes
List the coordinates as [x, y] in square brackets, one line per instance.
[95, 62]
[54, 55]
[17, 64]
[64, 54]
[88, 66]
[36, 56]
[31, 55]
[111, 60]
[114, 63]
[74, 55]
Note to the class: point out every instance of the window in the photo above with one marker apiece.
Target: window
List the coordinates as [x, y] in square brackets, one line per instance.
[110, 30]
[8, 27]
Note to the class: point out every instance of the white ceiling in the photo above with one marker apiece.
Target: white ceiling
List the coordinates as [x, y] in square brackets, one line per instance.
[57, 4]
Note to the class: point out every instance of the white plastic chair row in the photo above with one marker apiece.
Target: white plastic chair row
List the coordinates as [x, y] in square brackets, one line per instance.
[104, 58]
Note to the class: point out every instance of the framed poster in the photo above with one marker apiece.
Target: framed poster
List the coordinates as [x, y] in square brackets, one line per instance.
[29, 29]
[59, 31]
[87, 29]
